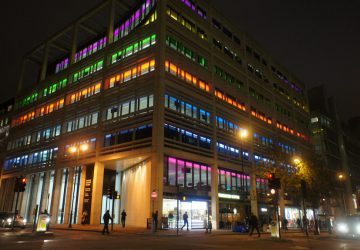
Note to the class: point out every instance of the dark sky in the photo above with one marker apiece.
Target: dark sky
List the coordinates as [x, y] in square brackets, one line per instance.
[319, 41]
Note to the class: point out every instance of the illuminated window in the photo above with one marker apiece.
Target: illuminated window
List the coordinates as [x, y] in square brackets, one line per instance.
[186, 76]
[130, 74]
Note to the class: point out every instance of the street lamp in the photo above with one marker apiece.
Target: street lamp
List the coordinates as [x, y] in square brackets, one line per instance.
[341, 178]
[72, 150]
[243, 134]
[298, 162]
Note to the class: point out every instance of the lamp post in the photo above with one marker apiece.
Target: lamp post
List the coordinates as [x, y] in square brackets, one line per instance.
[341, 178]
[298, 163]
[73, 150]
[243, 134]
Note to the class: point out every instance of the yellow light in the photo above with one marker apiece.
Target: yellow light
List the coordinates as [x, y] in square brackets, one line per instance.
[341, 176]
[84, 147]
[297, 160]
[72, 149]
[243, 133]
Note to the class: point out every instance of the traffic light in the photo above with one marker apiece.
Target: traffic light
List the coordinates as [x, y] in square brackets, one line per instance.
[20, 184]
[273, 182]
[182, 197]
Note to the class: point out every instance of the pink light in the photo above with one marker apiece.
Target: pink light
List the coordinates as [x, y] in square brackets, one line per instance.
[196, 165]
[172, 160]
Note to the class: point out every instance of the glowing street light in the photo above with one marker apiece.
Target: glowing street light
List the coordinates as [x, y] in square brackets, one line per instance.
[243, 134]
[72, 150]
[297, 161]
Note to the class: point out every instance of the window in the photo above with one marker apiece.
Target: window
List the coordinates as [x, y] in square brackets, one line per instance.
[130, 74]
[134, 20]
[186, 76]
[187, 109]
[134, 48]
[88, 71]
[91, 49]
[183, 172]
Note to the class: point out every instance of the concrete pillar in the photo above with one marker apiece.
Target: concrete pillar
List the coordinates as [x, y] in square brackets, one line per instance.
[45, 61]
[46, 192]
[69, 196]
[110, 32]
[253, 195]
[56, 196]
[97, 193]
[157, 155]
[74, 43]
[81, 193]
[215, 197]
[281, 203]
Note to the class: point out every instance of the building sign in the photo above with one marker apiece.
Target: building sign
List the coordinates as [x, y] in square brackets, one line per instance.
[88, 192]
[229, 196]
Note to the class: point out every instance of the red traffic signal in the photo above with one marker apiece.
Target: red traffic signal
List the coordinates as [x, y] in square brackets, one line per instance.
[20, 184]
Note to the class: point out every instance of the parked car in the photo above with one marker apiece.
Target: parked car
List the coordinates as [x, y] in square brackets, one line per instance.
[348, 226]
[6, 219]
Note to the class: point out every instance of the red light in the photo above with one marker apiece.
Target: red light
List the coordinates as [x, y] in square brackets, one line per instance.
[23, 180]
[270, 176]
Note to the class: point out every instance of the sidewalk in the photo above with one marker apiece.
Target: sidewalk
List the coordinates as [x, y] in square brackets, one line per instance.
[172, 232]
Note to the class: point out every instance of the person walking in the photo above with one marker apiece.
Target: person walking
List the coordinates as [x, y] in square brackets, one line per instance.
[155, 220]
[253, 223]
[106, 219]
[84, 217]
[123, 218]
[285, 224]
[185, 218]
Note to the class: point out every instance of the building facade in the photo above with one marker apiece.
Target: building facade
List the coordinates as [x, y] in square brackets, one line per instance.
[148, 99]
[338, 147]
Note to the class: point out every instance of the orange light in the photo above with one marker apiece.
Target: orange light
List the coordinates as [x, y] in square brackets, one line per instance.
[23, 180]
[72, 149]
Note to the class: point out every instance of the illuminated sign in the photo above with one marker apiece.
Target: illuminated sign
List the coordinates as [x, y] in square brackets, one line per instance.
[229, 196]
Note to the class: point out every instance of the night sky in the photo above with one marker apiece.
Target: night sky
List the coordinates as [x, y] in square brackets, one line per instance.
[319, 41]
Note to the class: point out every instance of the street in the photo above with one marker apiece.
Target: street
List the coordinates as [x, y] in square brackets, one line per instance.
[74, 239]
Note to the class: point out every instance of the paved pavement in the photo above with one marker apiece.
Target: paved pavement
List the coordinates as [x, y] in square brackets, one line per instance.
[88, 237]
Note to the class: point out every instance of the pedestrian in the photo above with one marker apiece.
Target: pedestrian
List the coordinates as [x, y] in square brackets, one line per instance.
[155, 220]
[123, 218]
[298, 223]
[185, 218]
[106, 219]
[84, 217]
[285, 224]
[253, 224]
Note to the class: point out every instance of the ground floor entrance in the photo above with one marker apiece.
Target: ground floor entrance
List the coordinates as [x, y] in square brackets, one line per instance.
[197, 211]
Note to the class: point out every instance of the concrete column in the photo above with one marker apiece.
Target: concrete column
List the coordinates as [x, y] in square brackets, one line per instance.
[110, 32]
[45, 61]
[97, 192]
[81, 193]
[7, 194]
[69, 197]
[215, 197]
[253, 195]
[281, 202]
[21, 76]
[46, 191]
[29, 198]
[56, 196]
[74, 43]
[157, 155]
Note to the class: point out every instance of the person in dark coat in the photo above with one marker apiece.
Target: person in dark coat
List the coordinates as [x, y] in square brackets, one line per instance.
[253, 224]
[106, 218]
[186, 222]
[123, 218]
[155, 220]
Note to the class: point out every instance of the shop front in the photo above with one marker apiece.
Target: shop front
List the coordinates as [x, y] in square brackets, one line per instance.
[197, 211]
